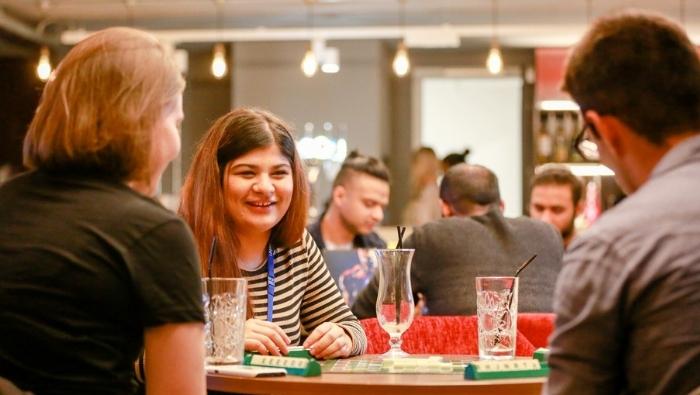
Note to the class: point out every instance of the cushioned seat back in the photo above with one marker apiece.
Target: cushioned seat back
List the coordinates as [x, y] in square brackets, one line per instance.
[436, 335]
[536, 327]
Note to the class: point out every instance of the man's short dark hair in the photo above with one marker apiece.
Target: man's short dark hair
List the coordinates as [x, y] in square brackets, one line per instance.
[641, 68]
[357, 163]
[552, 174]
[455, 158]
[465, 186]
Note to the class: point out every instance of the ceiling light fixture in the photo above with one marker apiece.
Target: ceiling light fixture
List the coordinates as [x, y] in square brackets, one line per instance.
[401, 63]
[494, 62]
[331, 62]
[43, 67]
[309, 64]
[218, 62]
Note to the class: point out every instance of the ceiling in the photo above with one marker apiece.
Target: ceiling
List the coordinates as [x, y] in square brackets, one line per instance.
[428, 23]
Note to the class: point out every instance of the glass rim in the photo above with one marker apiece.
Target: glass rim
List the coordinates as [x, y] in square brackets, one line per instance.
[235, 279]
[496, 277]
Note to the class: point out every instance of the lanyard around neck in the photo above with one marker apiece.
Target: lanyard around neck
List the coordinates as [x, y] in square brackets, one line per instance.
[270, 282]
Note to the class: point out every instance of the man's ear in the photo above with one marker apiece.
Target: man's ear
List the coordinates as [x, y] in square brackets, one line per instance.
[609, 129]
[445, 209]
[502, 206]
[578, 209]
[338, 194]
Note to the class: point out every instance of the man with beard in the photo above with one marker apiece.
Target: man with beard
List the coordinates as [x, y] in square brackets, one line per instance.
[555, 198]
[359, 196]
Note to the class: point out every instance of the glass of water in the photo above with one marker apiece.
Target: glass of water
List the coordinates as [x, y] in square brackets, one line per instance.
[225, 313]
[497, 312]
[395, 298]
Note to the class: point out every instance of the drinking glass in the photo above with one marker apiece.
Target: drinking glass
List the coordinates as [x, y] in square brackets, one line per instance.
[497, 312]
[224, 310]
[395, 298]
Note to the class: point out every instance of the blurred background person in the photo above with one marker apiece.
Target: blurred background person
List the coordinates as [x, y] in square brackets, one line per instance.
[454, 158]
[475, 239]
[556, 198]
[107, 269]
[359, 196]
[247, 188]
[423, 205]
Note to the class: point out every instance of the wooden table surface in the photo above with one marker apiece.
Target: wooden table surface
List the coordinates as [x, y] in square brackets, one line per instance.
[373, 383]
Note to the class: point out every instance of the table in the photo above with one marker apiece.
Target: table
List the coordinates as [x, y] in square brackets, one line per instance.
[373, 383]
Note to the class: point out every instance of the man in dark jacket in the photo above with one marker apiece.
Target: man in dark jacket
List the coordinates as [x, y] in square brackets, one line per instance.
[474, 239]
[359, 196]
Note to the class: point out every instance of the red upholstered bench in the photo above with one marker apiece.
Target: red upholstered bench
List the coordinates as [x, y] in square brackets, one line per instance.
[452, 335]
[536, 327]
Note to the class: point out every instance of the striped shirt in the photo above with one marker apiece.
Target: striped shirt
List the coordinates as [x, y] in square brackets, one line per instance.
[305, 295]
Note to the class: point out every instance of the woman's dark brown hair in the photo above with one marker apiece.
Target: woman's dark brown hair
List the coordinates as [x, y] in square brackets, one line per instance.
[203, 200]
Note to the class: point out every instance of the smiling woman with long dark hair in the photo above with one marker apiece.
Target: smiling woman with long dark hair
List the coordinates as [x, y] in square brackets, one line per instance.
[247, 189]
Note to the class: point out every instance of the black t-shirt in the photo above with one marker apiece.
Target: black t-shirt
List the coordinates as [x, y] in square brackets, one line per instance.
[85, 266]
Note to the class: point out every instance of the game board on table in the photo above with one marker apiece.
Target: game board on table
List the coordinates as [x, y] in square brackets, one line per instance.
[410, 365]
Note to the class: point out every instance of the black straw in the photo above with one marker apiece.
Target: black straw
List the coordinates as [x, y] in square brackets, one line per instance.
[212, 251]
[397, 275]
[400, 230]
[517, 272]
[210, 261]
[524, 265]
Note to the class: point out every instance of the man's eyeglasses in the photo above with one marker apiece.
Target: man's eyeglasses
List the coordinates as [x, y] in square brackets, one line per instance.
[584, 145]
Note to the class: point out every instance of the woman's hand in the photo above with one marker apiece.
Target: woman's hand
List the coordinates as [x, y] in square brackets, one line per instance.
[329, 341]
[265, 337]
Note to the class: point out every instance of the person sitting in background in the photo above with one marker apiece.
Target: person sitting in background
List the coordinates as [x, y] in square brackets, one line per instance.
[454, 159]
[359, 196]
[628, 297]
[423, 205]
[84, 244]
[474, 239]
[247, 189]
[555, 198]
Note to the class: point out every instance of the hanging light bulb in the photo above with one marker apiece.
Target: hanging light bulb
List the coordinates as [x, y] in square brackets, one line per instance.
[401, 63]
[309, 64]
[43, 68]
[494, 62]
[218, 63]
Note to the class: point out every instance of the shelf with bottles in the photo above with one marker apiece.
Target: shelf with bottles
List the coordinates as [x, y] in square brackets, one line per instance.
[555, 131]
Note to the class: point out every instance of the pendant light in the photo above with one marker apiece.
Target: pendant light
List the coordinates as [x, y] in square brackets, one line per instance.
[494, 62]
[43, 67]
[218, 61]
[401, 63]
[309, 64]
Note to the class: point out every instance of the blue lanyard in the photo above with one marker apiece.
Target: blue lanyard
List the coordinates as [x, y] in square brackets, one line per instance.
[270, 282]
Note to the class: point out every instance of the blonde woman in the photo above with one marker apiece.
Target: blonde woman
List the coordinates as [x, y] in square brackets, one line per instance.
[92, 267]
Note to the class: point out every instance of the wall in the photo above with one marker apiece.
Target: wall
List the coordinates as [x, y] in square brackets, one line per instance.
[401, 97]
[19, 95]
[268, 75]
[204, 100]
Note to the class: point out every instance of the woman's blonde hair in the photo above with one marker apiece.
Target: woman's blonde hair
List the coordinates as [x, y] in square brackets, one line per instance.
[99, 107]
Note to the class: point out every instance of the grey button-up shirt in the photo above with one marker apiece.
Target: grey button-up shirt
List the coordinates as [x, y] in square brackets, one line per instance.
[628, 297]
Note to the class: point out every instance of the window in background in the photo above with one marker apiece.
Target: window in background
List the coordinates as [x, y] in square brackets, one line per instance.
[477, 112]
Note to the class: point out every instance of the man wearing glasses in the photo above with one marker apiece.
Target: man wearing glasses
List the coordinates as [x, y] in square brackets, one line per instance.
[628, 297]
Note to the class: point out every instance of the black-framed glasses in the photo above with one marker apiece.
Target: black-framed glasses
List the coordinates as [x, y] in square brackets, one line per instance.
[584, 145]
